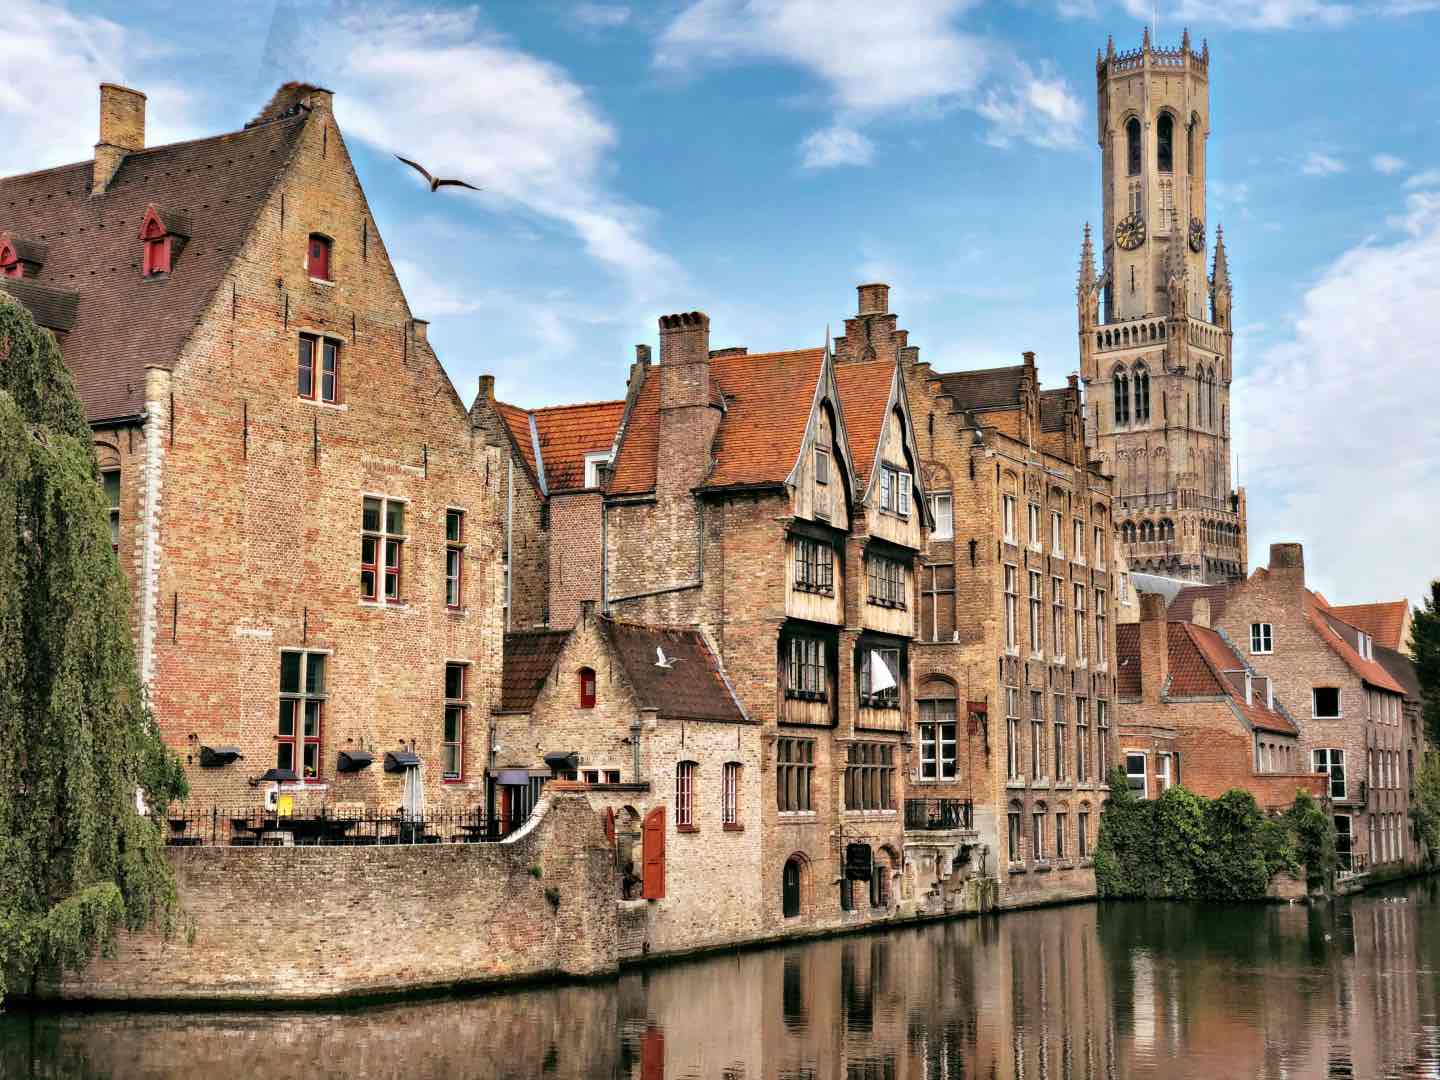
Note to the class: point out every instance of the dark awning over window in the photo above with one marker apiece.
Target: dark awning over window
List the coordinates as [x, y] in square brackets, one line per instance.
[214, 757]
[561, 760]
[281, 776]
[400, 760]
[354, 760]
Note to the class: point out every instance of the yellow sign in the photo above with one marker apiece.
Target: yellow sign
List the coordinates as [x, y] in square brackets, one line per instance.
[285, 806]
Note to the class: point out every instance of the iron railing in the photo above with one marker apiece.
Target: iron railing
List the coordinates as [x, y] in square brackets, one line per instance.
[939, 814]
[250, 827]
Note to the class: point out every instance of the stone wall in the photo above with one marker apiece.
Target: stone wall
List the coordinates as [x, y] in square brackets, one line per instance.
[317, 922]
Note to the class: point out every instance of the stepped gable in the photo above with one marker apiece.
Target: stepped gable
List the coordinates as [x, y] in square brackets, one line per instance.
[692, 687]
[1384, 622]
[864, 393]
[123, 322]
[530, 656]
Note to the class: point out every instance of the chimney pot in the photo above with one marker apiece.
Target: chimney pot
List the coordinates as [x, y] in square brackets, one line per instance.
[1154, 647]
[874, 299]
[642, 354]
[122, 131]
[421, 328]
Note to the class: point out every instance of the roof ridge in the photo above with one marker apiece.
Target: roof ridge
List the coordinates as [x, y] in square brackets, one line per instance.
[576, 405]
[977, 371]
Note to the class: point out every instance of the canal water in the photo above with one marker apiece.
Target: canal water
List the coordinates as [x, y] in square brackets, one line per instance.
[1348, 989]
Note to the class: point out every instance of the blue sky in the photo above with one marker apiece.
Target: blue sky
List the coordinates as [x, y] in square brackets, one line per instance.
[757, 159]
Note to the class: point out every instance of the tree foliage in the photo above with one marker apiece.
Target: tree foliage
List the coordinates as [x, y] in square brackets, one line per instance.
[1183, 846]
[1425, 809]
[1425, 651]
[77, 859]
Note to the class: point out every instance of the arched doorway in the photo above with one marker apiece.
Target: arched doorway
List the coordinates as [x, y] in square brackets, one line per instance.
[794, 884]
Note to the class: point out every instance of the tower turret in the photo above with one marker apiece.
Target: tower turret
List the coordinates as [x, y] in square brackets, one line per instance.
[1220, 285]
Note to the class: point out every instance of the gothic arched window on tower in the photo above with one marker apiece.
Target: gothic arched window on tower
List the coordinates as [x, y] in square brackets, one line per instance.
[1165, 142]
[1132, 143]
[1190, 144]
[1142, 393]
[1122, 397]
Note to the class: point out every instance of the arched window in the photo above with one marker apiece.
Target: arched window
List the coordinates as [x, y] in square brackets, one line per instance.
[317, 258]
[792, 886]
[1147, 531]
[1132, 145]
[1142, 393]
[1165, 142]
[587, 688]
[1016, 833]
[10, 261]
[1122, 396]
[156, 253]
[1127, 532]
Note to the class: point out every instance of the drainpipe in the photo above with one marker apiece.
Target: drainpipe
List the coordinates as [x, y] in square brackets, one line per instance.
[509, 535]
[635, 746]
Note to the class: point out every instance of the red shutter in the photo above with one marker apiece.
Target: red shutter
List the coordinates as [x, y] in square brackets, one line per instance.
[652, 1054]
[653, 857]
[610, 825]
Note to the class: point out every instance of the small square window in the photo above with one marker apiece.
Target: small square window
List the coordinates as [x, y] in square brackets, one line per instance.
[317, 258]
[1327, 703]
[1261, 640]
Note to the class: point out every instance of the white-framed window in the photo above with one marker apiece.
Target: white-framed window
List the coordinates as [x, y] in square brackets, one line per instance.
[895, 491]
[454, 558]
[1057, 617]
[1082, 739]
[1162, 774]
[1080, 623]
[1012, 608]
[1099, 545]
[1102, 628]
[594, 463]
[110, 485]
[814, 566]
[1062, 757]
[1036, 539]
[1012, 746]
[1007, 517]
[937, 739]
[1261, 638]
[886, 580]
[1331, 762]
[1078, 538]
[457, 705]
[1363, 643]
[730, 794]
[1037, 737]
[1136, 775]
[877, 667]
[822, 465]
[1037, 616]
[942, 509]
[685, 795]
[805, 670]
[1325, 703]
[1102, 735]
[1014, 834]
[1057, 537]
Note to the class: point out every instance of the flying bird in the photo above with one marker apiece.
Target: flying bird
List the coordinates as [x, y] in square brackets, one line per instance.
[435, 183]
[661, 660]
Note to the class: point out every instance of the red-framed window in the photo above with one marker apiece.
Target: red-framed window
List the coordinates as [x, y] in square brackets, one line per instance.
[454, 557]
[685, 796]
[587, 688]
[318, 368]
[452, 739]
[10, 261]
[730, 795]
[317, 257]
[155, 254]
[382, 542]
[302, 712]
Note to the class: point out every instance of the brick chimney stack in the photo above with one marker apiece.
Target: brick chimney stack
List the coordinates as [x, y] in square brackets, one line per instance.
[687, 421]
[122, 131]
[874, 299]
[1154, 647]
[1287, 564]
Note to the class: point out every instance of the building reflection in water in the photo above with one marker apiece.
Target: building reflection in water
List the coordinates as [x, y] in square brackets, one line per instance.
[1348, 989]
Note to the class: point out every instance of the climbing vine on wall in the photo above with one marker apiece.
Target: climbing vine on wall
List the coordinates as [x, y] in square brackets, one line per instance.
[77, 740]
[1183, 846]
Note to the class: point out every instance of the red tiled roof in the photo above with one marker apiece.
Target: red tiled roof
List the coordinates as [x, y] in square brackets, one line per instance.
[767, 399]
[518, 421]
[1372, 672]
[864, 393]
[123, 322]
[692, 687]
[530, 656]
[569, 432]
[1127, 660]
[1384, 622]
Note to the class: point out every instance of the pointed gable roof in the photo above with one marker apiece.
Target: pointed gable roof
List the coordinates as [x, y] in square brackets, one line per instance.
[692, 687]
[122, 322]
[554, 440]
[529, 658]
[1323, 620]
[865, 393]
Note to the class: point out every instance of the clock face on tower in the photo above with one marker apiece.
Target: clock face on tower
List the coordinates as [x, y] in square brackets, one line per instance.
[1197, 234]
[1130, 233]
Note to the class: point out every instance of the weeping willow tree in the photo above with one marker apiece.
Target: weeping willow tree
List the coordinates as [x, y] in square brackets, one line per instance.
[77, 740]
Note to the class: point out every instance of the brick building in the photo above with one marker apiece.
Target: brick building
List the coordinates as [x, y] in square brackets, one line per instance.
[305, 515]
[1191, 711]
[1350, 711]
[1017, 618]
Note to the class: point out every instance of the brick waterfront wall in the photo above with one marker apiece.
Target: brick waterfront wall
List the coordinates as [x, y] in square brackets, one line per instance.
[316, 922]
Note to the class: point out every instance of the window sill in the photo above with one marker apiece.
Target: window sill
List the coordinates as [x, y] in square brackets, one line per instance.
[329, 284]
[385, 605]
[1327, 718]
[804, 695]
[1017, 868]
[733, 826]
[798, 817]
[1015, 785]
[1012, 650]
[942, 538]
[687, 828]
[1042, 866]
[1065, 864]
[338, 406]
[458, 612]
[869, 814]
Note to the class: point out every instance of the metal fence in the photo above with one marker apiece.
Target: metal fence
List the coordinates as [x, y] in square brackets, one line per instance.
[195, 827]
[939, 814]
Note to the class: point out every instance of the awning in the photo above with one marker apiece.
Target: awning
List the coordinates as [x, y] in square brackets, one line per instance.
[354, 760]
[562, 760]
[400, 760]
[513, 777]
[214, 757]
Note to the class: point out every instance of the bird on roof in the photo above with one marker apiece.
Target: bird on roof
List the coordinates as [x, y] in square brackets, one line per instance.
[435, 182]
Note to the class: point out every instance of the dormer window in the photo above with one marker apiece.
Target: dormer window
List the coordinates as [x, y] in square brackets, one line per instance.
[155, 258]
[317, 258]
[595, 463]
[10, 266]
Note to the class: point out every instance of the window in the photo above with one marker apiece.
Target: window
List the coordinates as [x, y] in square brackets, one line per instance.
[1037, 833]
[895, 491]
[595, 463]
[1037, 617]
[814, 566]
[1062, 760]
[685, 796]
[1098, 538]
[1132, 146]
[870, 776]
[1344, 842]
[794, 774]
[730, 795]
[942, 509]
[1261, 640]
[886, 579]
[1062, 826]
[1082, 739]
[1331, 762]
[1007, 517]
[317, 258]
[1135, 774]
[1142, 393]
[612, 776]
[1012, 747]
[1362, 644]
[879, 884]
[790, 886]
[452, 740]
[1057, 538]
[937, 733]
[156, 247]
[1015, 855]
[1082, 832]
[805, 677]
[1167, 207]
[1165, 142]
[1057, 616]
[1122, 397]
[1012, 609]
[302, 708]
[1080, 623]
[10, 265]
[822, 465]
[1102, 734]
[587, 688]
[879, 678]
[325, 382]
[1326, 702]
[1078, 539]
[454, 557]
[1102, 628]
[110, 484]
[382, 533]
[1162, 773]
[1037, 736]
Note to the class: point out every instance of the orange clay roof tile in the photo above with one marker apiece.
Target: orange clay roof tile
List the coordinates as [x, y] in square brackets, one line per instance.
[1384, 622]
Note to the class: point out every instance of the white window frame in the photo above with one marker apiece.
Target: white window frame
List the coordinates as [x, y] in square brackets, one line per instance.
[1012, 608]
[1057, 619]
[1080, 654]
[1100, 557]
[1164, 777]
[1143, 774]
[1007, 518]
[1037, 613]
[593, 461]
[1078, 528]
[1037, 542]
[730, 793]
[1262, 639]
[1323, 760]
[1057, 534]
[685, 794]
[944, 521]
[1102, 628]
[1339, 713]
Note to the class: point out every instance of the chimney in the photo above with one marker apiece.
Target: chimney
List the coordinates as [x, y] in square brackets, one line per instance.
[642, 354]
[874, 299]
[1154, 647]
[684, 360]
[122, 131]
[1287, 563]
[421, 329]
[1200, 612]
[687, 422]
[487, 388]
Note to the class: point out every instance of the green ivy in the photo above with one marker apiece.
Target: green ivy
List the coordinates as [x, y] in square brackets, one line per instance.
[1183, 846]
[77, 860]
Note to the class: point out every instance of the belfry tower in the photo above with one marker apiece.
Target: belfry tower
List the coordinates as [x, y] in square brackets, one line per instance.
[1155, 329]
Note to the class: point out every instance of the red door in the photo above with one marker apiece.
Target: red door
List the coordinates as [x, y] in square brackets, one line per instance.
[653, 855]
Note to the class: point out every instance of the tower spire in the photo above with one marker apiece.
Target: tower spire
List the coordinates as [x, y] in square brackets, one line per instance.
[1220, 284]
[1087, 261]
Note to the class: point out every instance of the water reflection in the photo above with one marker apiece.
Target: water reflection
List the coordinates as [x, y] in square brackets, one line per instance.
[1086, 991]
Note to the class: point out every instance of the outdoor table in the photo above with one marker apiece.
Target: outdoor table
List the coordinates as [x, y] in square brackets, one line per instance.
[475, 831]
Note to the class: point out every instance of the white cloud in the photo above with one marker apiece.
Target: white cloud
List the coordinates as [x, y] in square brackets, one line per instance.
[1387, 164]
[836, 146]
[59, 58]
[1340, 446]
[601, 16]
[1319, 164]
[1077, 9]
[1254, 14]
[1428, 178]
[876, 59]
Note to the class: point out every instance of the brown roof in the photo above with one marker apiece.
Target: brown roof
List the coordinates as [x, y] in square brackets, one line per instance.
[1384, 622]
[124, 322]
[1182, 608]
[1317, 611]
[53, 309]
[569, 432]
[864, 393]
[767, 408]
[530, 656]
[1401, 669]
[988, 388]
[1052, 408]
[692, 686]
[1127, 660]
